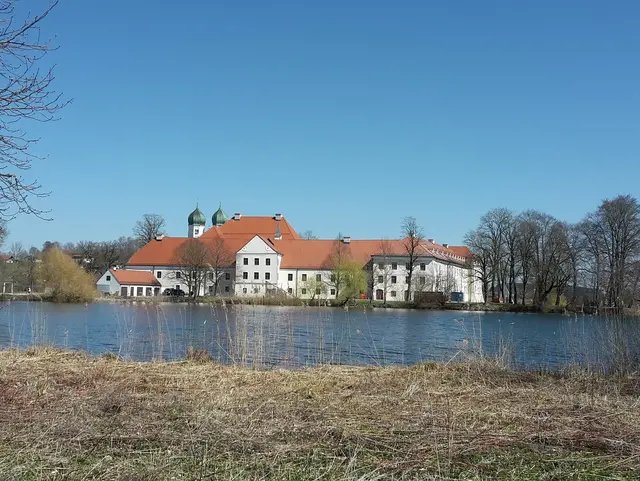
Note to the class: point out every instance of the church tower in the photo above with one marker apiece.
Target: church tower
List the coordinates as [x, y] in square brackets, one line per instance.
[197, 221]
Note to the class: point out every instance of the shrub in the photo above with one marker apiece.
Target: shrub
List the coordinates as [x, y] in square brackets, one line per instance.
[65, 280]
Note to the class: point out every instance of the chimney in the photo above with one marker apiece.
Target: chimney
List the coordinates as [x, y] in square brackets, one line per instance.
[237, 216]
[159, 237]
[346, 240]
[432, 241]
[445, 245]
[278, 217]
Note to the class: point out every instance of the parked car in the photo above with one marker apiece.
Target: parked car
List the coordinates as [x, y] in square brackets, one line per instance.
[172, 292]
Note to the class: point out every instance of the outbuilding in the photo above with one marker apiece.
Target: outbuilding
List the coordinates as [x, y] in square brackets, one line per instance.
[129, 283]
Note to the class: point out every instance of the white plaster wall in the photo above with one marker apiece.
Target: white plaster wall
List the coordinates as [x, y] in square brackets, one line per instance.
[256, 250]
[191, 231]
[437, 274]
[110, 286]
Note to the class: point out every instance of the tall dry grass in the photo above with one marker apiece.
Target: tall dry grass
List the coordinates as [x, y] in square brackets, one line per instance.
[68, 416]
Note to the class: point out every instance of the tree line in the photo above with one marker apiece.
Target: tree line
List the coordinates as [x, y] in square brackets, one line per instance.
[532, 257]
[95, 257]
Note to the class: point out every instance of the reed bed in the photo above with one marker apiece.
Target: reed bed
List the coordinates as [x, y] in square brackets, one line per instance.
[70, 416]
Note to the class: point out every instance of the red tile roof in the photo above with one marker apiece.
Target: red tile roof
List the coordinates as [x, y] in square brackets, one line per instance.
[296, 252]
[253, 225]
[140, 278]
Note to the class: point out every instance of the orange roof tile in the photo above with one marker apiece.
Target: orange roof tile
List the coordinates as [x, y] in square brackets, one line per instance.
[253, 225]
[144, 278]
[462, 251]
[296, 252]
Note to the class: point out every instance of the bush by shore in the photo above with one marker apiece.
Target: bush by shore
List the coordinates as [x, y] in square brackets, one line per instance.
[68, 416]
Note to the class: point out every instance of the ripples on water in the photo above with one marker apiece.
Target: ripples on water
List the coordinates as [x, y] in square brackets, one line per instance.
[291, 336]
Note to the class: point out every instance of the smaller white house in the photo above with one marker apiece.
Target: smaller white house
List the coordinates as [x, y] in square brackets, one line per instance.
[128, 283]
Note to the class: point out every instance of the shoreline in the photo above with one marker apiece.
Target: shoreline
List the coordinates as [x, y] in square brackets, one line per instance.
[358, 304]
[70, 416]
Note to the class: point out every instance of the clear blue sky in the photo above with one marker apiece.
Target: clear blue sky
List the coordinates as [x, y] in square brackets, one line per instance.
[344, 116]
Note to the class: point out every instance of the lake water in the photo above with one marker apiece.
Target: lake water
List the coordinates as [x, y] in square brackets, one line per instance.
[292, 336]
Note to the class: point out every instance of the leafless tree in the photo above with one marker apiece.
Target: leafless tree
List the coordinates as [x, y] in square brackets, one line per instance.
[146, 229]
[480, 262]
[613, 232]
[412, 242]
[308, 235]
[194, 260]
[384, 268]
[16, 250]
[26, 94]
[220, 259]
[4, 232]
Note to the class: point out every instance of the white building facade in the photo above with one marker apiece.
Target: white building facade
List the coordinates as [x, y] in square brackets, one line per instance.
[264, 256]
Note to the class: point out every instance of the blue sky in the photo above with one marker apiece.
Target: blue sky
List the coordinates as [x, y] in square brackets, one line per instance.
[344, 116]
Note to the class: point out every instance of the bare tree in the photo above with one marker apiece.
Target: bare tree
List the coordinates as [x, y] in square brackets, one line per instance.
[194, 260]
[308, 235]
[146, 229]
[4, 232]
[25, 94]
[17, 250]
[615, 229]
[413, 238]
[384, 267]
[220, 259]
[480, 261]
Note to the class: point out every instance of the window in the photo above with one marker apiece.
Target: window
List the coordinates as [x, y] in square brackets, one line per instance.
[256, 261]
[210, 276]
[245, 261]
[267, 276]
[227, 277]
[304, 277]
[139, 291]
[393, 293]
[379, 295]
[317, 291]
[407, 266]
[159, 274]
[423, 266]
[393, 279]
[333, 277]
[304, 291]
[149, 291]
[177, 288]
[318, 277]
[245, 275]
[256, 276]
[381, 266]
[196, 232]
[394, 265]
[406, 280]
[178, 275]
[108, 278]
[267, 261]
[380, 279]
[422, 281]
[256, 290]
[226, 288]
[290, 277]
[333, 292]
[244, 290]
[290, 291]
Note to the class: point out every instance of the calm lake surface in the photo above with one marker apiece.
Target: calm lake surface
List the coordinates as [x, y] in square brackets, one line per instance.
[292, 336]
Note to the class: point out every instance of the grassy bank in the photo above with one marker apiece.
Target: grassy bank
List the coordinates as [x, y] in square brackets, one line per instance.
[67, 416]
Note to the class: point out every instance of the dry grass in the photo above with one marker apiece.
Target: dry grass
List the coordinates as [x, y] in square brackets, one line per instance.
[67, 416]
